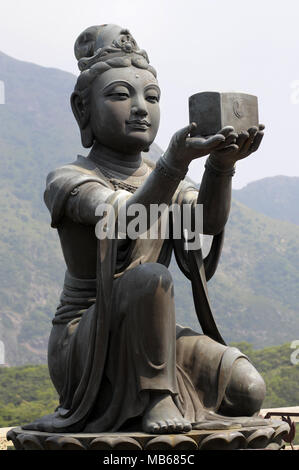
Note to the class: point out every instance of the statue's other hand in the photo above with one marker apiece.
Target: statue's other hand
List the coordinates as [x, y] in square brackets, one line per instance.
[249, 142]
[183, 148]
[245, 144]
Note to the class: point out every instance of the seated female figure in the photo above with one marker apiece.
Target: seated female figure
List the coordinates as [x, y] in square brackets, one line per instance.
[116, 356]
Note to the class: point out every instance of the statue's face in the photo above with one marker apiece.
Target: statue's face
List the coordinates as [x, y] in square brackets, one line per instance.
[125, 111]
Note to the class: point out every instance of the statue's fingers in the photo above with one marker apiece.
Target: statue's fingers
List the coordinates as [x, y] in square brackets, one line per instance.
[252, 131]
[242, 139]
[214, 141]
[261, 127]
[226, 130]
[230, 139]
[201, 143]
[184, 132]
[246, 147]
[228, 151]
[257, 141]
[245, 150]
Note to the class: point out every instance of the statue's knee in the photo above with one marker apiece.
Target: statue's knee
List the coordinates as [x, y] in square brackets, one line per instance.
[246, 390]
[256, 392]
[153, 278]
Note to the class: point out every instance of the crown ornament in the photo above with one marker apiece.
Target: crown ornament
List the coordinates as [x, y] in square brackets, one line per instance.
[105, 42]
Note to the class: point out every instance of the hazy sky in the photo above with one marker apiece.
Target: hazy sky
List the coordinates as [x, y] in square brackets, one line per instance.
[195, 45]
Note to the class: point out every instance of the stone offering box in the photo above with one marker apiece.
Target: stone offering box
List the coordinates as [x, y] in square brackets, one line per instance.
[212, 111]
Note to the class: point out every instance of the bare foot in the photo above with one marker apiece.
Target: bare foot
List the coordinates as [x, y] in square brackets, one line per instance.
[163, 417]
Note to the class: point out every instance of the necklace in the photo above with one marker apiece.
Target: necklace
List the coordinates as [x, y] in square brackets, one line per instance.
[120, 184]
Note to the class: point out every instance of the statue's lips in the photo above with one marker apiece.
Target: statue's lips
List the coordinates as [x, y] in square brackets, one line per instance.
[139, 124]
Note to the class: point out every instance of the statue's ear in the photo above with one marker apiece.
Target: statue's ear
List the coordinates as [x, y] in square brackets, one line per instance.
[79, 109]
[82, 114]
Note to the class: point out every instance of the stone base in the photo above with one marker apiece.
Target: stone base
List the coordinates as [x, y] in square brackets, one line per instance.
[257, 437]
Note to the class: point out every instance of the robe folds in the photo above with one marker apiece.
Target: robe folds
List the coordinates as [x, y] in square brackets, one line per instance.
[114, 336]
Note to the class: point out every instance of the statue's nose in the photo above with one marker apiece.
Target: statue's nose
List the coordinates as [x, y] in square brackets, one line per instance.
[139, 108]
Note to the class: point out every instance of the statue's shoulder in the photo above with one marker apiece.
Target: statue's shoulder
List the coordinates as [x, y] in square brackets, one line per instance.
[62, 181]
[79, 168]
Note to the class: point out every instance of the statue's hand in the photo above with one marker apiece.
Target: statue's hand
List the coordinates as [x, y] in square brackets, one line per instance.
[183, 149]
[246, 143]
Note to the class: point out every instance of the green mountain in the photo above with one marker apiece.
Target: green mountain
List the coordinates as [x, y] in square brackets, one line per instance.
[253, 292]
[37, 133]
[276, 197]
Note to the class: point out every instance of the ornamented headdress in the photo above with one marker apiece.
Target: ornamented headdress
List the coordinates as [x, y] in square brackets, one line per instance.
[98, 49]
[111, 46]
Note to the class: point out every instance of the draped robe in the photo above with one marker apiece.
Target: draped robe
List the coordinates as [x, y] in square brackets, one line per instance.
[101, 353]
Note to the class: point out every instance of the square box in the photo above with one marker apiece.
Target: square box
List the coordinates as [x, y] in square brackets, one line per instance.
[212, 110]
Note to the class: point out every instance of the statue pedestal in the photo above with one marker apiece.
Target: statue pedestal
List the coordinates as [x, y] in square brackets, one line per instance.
[256, 437]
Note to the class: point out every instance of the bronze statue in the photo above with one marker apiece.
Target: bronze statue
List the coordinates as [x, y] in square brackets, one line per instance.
[116, 356]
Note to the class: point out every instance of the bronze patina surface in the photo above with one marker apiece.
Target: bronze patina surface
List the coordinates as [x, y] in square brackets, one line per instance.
[116, 357]
[213, 110]
[262, 437]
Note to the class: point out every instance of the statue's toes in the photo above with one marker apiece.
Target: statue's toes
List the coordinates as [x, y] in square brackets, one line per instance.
[162, 426]
[153, 428]
[171, 425]
[187, 426]
[179, 426]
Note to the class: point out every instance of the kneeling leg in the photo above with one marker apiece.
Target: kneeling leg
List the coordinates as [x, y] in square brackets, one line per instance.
[150, 315]
[245, 392]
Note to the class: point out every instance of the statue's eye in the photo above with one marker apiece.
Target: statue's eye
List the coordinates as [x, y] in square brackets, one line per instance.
[152, 95]
[120, 93]
[153, 98]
